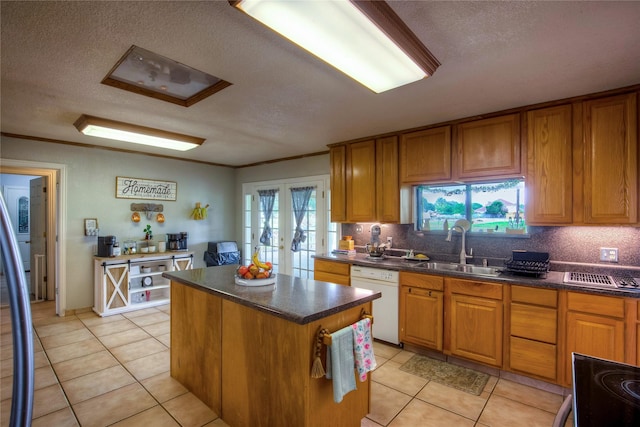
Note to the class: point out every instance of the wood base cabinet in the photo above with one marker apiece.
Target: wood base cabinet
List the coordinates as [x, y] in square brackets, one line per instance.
[533, 332]
[253, 368]
[474, 320]
[594, 326]
[421, 310]
[332, 271]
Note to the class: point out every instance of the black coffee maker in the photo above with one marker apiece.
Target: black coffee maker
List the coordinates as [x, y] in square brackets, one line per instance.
[183, 241]
[177, 241]
[105, 245]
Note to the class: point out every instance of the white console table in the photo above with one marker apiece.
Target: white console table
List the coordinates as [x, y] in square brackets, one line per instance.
[132, 282]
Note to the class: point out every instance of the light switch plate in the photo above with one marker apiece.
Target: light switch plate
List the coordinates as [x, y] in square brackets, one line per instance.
[609, 254]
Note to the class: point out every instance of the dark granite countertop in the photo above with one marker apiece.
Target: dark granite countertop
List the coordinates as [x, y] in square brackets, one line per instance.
[553, 279]
[298, 300]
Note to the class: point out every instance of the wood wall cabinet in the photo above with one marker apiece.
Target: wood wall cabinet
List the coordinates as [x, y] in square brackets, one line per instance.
[338, 160]
[332, 271]
[549, 178]
[421, 309]
[365, 181]
[425, 156]
[533, 340]
[361, 181]
[387, 180]
[594, 326]
[474, 320]
[611, 160]
[488, 148]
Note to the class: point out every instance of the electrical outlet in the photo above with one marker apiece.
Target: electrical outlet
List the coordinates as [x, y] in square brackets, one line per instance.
[389, 241]
[609, 254]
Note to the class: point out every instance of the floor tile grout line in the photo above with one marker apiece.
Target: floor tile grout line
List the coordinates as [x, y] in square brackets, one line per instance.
[64, 393]
[135, 378]
[71, 407]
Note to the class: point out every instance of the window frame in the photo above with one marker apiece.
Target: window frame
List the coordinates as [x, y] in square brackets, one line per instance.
[519, 231]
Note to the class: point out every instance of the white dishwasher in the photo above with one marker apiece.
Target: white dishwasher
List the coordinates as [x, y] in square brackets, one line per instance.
[385, 309]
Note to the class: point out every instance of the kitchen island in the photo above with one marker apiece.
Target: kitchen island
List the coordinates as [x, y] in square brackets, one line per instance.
[247, 352]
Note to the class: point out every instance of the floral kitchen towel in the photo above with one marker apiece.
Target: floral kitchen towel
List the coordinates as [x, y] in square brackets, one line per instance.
[363, 348]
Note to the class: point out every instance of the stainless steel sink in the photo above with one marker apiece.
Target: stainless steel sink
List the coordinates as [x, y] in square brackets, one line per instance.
[439, 266]
[461, 268]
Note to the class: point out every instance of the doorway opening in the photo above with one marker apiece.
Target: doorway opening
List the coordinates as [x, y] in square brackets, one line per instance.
[38, 222]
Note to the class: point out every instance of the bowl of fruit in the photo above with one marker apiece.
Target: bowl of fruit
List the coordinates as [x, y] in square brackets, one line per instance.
[258, 273]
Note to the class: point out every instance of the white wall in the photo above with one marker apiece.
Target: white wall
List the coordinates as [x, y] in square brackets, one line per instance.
[90, 193]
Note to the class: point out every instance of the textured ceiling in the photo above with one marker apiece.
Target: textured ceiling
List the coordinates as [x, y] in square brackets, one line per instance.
[283, 102]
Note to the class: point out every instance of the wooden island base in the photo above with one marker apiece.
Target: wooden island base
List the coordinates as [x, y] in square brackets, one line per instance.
[253, 368]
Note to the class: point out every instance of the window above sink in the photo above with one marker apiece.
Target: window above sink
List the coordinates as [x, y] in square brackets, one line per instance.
[495, 207]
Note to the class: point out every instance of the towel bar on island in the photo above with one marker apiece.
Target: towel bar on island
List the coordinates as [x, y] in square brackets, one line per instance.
[325, 335]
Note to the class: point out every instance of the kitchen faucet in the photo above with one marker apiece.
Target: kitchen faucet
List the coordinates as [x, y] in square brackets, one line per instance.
[463, 226]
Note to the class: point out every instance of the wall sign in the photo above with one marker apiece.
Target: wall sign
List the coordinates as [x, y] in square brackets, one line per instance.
[138, 188]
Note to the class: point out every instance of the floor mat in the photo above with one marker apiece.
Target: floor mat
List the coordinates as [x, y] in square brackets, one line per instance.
[444, 373]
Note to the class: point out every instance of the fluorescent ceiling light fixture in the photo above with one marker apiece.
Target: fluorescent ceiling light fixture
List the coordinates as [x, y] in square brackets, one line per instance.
[111, 129]
[366, 40]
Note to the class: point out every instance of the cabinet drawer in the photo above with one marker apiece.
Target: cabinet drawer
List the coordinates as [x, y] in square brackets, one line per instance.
[533, 322]
[471, 287]
[332, 267]
[595, 304]
[537, 296]
[425, 281]
[533, 357]
[332, 278]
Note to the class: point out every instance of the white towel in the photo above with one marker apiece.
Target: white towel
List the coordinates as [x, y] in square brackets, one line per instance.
[340, 363]
[363, 348]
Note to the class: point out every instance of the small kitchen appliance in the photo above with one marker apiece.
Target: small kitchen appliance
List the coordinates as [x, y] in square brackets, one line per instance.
[183, 241]
[375, 250]
[177, 241]
[105, 246]
[173, 241]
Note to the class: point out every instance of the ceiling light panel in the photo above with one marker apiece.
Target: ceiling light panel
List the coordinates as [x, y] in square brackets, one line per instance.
[339, 33]
[120, 131]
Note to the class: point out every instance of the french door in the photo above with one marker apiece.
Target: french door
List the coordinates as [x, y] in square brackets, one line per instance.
[271, 224]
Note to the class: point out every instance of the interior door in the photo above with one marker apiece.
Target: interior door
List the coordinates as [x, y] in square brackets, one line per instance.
[38, 235]
[17, 199]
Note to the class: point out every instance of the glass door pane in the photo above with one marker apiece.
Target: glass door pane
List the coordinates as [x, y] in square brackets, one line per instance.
[270, 252]
[302, 261]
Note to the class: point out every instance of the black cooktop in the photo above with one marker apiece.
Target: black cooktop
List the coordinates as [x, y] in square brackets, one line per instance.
[605, 393]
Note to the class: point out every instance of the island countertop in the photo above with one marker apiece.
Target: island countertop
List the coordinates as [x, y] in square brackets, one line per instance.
[295, 299]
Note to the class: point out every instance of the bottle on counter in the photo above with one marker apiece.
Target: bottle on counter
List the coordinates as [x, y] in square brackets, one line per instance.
[116, 249]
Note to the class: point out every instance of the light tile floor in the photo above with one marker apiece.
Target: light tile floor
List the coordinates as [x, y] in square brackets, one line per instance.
[114, 371]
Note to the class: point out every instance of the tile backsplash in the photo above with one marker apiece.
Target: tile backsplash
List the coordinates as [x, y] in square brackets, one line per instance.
[567, 246]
